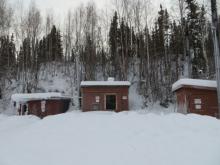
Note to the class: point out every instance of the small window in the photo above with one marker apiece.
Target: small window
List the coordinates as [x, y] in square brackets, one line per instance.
[198, 104]
[198, 107]
[198, 101]
[124, 98]
[43, 106]
[97, 99]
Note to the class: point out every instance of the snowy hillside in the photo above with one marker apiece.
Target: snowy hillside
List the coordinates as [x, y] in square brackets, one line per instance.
[55, 78]
[52, 78]
[99, 138]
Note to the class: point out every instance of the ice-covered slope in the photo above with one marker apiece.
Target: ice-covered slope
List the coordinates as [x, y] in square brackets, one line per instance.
[100, 138]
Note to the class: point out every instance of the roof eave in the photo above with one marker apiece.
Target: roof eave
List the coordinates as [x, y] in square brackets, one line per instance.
[105, 85]
[193, 87]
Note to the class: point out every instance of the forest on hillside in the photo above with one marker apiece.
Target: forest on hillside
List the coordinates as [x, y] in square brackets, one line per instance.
[127, 42]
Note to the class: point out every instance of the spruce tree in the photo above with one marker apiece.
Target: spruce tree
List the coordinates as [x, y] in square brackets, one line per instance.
[40, 52]
[7, 54]
[161, 32]
[3, 54]
[113, 44]
[12, 52]
[24, 57]
[194, 32]
[176, 50]
[89, 58]
[50, 47]
[59, 47]
[163, 41]
[53, 43]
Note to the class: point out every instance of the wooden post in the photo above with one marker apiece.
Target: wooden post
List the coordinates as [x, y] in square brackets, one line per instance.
[215, 36]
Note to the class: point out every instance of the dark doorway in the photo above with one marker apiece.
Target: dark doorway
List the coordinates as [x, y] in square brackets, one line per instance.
[110, 102]
[24, 109]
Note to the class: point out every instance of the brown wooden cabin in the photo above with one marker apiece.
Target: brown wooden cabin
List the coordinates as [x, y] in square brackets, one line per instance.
[105, 95]
[196, 96]
[41, 104]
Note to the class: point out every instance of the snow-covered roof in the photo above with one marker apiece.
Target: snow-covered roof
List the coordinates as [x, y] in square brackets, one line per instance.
[197, 83]
[34, 96]
[104, 83]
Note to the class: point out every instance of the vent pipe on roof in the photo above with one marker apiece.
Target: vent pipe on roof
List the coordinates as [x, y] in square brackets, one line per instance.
[111, 79]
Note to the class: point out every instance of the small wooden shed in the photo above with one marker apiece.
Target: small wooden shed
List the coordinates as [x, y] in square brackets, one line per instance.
[40, 104]
[196, 96]
[105, 95]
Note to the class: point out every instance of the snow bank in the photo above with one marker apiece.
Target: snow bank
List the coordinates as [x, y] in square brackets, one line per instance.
[136, 101]
[193, 82]
[108, 138]
[32, 96]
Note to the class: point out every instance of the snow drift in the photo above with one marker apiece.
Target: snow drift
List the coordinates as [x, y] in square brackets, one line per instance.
[99, 138]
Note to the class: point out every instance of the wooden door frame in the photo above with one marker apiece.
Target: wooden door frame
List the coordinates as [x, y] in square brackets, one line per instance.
[116, 101]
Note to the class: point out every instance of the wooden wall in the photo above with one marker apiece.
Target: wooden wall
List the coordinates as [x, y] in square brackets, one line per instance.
[89, 95]
[199, 101]
[52, 107]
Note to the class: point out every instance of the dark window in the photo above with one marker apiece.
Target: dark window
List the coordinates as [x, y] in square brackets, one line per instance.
[110, 102]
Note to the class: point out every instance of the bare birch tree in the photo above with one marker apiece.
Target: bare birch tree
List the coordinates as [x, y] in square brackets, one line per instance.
[32, 26]
[6, 14]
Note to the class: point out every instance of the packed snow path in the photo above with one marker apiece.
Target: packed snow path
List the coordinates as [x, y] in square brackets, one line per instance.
[104, 138]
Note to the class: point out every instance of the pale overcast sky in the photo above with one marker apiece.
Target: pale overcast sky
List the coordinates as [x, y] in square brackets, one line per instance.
[60, 7]
[63, 5]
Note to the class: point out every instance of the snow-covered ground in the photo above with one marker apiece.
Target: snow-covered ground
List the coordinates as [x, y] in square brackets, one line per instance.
[107, 138]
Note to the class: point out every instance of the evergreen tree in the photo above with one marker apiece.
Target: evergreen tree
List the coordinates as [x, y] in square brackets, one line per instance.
[11, 52]
[7, 54]
[122, 47]
[59, 47]
[176, 49]
[113, 44]
[41, 54]
[3, 54]
[161, 32]
[163, 42]
[194, 32]
[53, 44]
[50, 47]
[24, 57]
[89, 59]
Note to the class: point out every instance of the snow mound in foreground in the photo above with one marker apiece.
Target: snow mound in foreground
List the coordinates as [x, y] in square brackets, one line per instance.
[98, 138]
